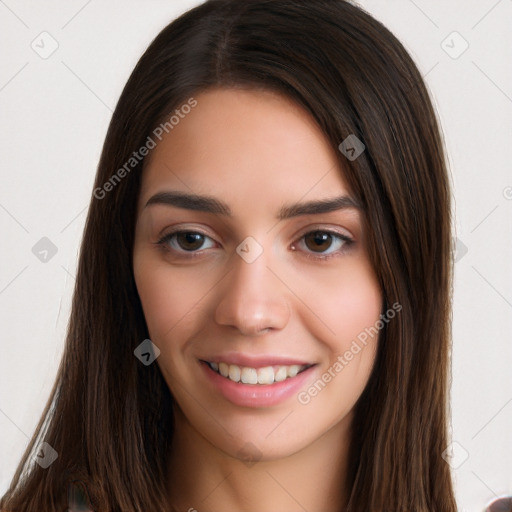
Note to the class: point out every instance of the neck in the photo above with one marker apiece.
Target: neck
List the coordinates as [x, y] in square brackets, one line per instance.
[203, 478]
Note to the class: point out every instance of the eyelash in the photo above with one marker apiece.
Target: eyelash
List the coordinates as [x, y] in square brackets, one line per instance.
[163, 244]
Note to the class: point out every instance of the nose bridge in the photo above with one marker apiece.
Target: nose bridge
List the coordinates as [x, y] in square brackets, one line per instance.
[252, 298]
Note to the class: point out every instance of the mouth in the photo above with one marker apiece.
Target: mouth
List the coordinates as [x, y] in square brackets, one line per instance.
[256, 376]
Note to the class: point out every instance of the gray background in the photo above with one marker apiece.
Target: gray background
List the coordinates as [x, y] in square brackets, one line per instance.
[55, 110]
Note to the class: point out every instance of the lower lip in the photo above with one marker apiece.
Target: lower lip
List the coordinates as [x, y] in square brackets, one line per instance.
[257, 395]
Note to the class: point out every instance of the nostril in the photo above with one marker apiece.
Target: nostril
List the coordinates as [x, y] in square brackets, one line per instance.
[500, 505]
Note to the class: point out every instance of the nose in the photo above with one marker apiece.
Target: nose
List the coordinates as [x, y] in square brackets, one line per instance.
[252, 299]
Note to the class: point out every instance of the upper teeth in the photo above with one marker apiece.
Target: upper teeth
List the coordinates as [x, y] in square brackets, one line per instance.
[265, 375]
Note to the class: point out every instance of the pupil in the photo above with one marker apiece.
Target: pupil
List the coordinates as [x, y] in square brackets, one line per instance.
[319, 238]
[190, 241]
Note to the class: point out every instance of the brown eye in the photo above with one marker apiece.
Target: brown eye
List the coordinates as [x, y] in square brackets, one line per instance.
[181, 242]
[324, 244]
[189, 241]
[318, 241]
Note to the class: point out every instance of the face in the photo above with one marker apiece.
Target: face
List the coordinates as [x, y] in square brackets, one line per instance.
[240, 270]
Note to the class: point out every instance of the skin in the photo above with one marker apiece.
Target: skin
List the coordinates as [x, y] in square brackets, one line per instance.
[256, 151]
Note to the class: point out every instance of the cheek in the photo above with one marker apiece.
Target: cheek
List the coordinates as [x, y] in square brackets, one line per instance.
[170, 300]
[357, 307]
[345, 301]
[353, 313]
[349, 305]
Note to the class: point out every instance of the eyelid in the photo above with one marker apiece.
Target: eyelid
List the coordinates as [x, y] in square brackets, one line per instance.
[347, 239]
[325, 228]
[161, 242]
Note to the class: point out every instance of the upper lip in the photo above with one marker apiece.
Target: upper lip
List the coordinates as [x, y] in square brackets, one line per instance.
[255, 361]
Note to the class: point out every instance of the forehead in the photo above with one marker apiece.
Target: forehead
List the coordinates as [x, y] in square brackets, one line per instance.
[249, 142]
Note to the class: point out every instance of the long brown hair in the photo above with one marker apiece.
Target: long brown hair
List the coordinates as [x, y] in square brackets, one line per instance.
[109, 417]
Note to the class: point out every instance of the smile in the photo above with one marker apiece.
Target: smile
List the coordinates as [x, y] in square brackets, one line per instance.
[262, 376]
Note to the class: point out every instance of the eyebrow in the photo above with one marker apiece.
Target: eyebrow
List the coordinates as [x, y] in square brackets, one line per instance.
[210, 204]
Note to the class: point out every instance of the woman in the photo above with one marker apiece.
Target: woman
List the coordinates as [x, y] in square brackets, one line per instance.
[261, 313]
